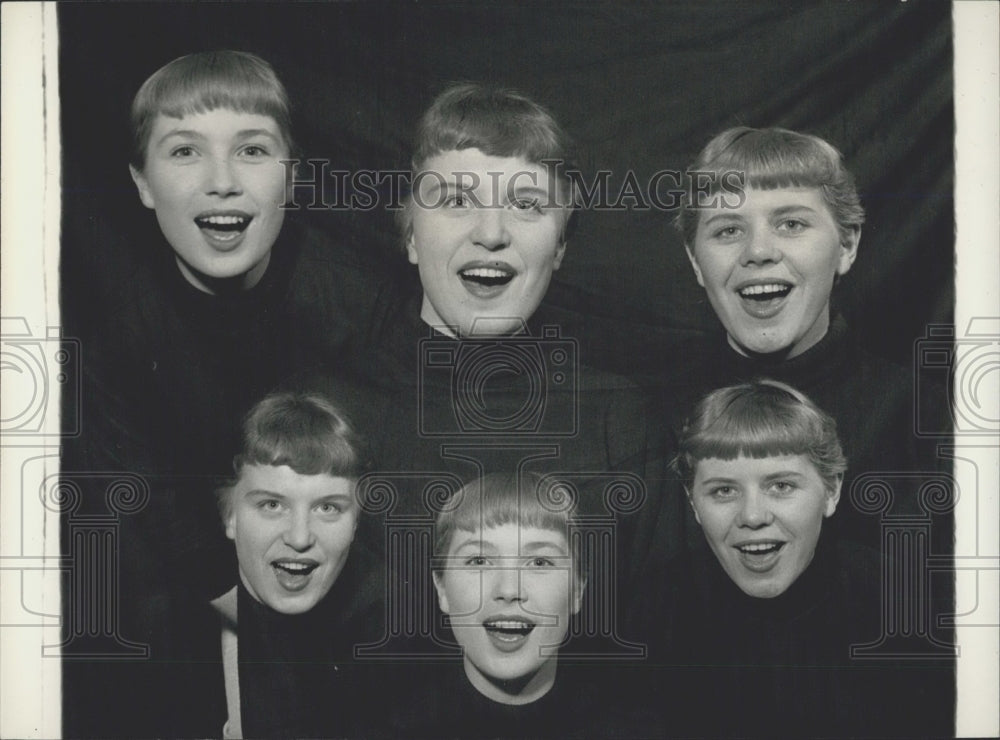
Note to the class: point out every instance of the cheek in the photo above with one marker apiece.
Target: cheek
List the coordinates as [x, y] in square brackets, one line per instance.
[338, 539]
[464, 594]
[252, 535]
[714, 522]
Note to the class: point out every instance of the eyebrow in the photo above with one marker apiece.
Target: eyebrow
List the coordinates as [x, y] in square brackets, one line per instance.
[717, 480]
[767, 478]
[474, 542]
[722, 216]
[526, 547]
[792, 209]
[784, 474]
[242, 134]
[264, 493]
[540, 545]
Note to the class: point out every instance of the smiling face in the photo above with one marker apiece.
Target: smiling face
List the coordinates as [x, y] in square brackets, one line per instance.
[216, 184]
[486, 235]
[292, 533]
[762, 517]
[510, 591]
[769, 266]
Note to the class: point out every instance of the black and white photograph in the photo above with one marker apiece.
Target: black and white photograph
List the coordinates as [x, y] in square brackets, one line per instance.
[500, 370]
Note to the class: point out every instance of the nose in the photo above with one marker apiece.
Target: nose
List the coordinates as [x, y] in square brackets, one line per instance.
[759, 248]
[221, 178]
[299, 535]
[755, 511]
[490, 230]
[507, 584]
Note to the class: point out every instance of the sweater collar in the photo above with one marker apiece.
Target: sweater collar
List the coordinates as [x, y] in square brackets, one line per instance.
[823, 360]
[724, 598]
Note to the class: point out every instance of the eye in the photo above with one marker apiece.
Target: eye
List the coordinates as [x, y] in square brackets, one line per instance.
[792, 225]
[541, 562]
[255, 151]
[182, 152]
[527, 204]
[330, 508]
[727, 233]
[723, 492]
[476, 561]
[783, 487]
[457, 201]
[269, 505]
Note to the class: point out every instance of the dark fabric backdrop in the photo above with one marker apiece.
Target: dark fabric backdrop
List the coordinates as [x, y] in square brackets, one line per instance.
[640, 86]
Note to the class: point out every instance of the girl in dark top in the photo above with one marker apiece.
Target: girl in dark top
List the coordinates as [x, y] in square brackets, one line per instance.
[770, 618]
[306, 597]
[510, 574]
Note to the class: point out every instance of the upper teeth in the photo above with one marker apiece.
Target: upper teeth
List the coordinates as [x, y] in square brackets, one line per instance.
[224, 219]
[509, 624]
[294, 566]
[758, 289]
[759, 547]
[485, 272]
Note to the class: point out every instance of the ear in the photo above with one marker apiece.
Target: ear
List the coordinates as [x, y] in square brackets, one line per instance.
[694, 264]
[697, 518]
[833, 497]
[442, 596]
[145, 195]
[231, 526]
[560, 252]
[849, 250]
[411, 250]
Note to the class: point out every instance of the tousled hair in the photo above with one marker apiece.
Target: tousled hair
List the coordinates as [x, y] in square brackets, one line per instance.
[763, 418]
[495, 499]
[772, 158]
[206, 81]
[304, 431]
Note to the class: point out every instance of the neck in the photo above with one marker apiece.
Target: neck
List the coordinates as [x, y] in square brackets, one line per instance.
[227, 285]
[811, 338]
[521, 690]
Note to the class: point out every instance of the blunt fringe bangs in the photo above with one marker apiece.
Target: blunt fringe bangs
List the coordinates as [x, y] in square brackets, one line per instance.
[773, 158]
[503, 498]
[207, 81]
[303, 431]
[764, 418]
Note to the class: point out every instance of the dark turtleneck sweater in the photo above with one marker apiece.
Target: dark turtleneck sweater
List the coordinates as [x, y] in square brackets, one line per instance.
[298, 673]
[439, 701]
[729, 664]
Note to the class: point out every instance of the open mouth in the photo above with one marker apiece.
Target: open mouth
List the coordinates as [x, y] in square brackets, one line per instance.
[223, 229]
[293, 575]
[765, 292]
[763, 300]
[508, 634]
[760, 556]
[486, 281]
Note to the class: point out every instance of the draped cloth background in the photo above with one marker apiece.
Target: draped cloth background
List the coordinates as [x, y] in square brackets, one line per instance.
[641, 87]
